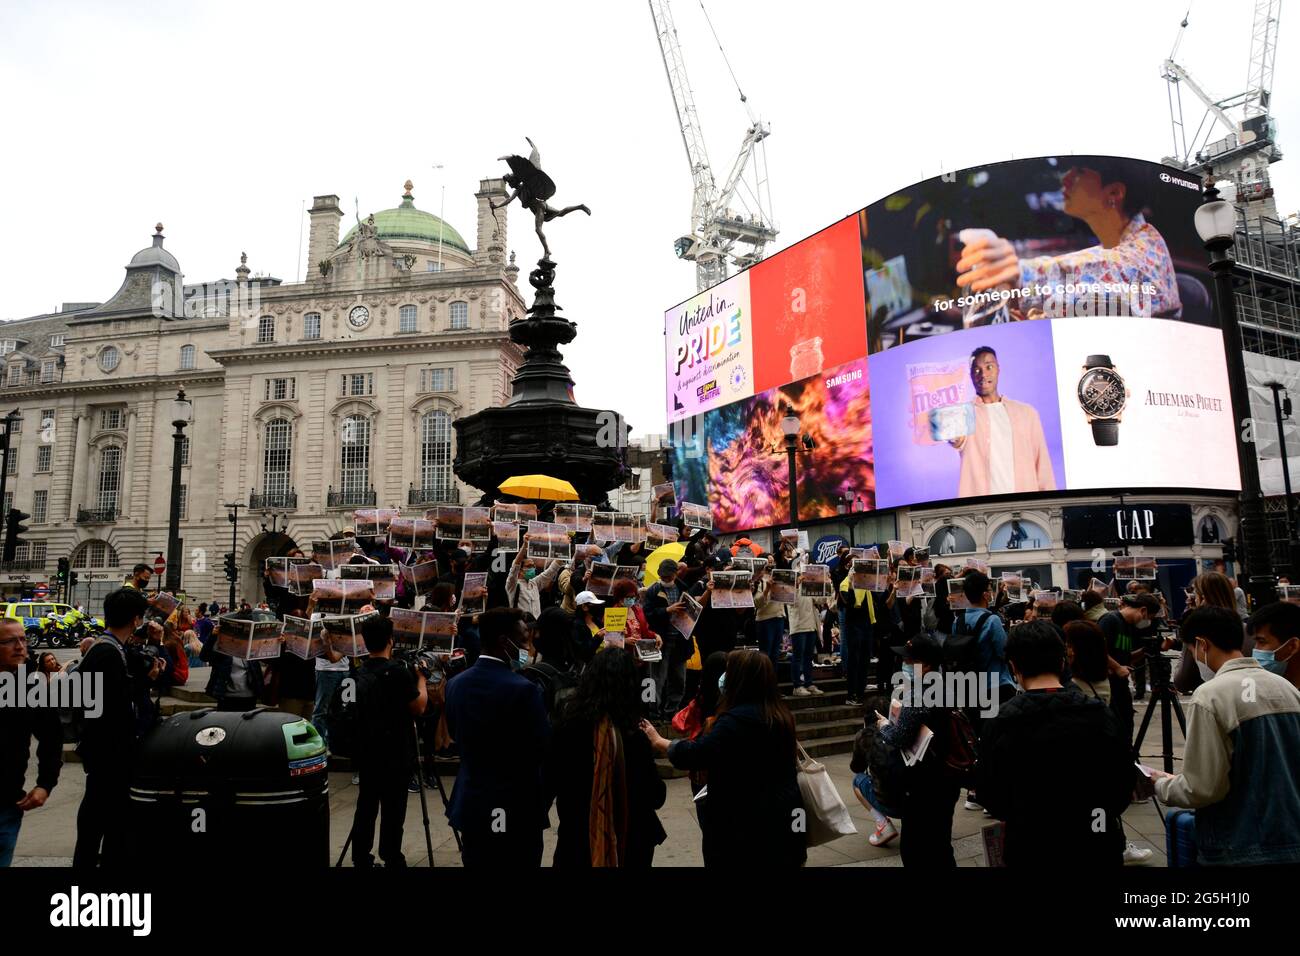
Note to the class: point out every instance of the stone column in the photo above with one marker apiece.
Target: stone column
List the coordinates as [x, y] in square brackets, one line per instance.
[80, 454]
[128, 464]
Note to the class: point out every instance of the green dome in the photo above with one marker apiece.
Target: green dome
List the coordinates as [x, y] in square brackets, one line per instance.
[405, 224]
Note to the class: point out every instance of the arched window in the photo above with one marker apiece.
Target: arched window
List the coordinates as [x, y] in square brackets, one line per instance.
[354, 458]
[187, 357]
[277, 458]
[435, 451]
[311, 325]
[266, 329]
[406, 319]
[95, 554]
[110, 479]
[459, 312]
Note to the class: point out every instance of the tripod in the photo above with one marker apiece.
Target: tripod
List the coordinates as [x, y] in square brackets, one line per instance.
[421, 761]
[1164, 695]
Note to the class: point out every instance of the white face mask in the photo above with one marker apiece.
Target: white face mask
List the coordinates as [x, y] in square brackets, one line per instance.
[1207, 672]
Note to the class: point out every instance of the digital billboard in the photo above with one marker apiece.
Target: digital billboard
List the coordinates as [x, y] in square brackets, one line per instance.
[785, 319]
[1032, 326]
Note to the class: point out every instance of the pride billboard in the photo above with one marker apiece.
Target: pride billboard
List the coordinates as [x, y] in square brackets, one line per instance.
[1032, 326]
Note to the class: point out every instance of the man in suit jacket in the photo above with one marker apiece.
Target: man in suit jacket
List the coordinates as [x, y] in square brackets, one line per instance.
[499, 722]
[1008, 452]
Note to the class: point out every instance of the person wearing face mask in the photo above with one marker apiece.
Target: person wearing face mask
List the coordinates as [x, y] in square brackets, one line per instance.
[109, 734]
[660, 601]
[1121, 628]
[1241, 763]
[1210, 589]
[1051, 759]
[499, 722]
[588, 627]
[1276, 629]
[930, 792]
[749, 754]
[524, 585]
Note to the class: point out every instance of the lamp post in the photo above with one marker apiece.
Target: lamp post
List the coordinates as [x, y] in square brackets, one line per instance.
[1216, 225]
[4, 455]
[233, 518]
[182, 415]
[790, 429]
[1282, 407]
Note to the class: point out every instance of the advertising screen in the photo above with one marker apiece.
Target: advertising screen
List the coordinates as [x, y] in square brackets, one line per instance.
[786, 319]
[1040, 325]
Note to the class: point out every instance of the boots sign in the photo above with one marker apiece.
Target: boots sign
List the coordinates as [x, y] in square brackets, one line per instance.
[1107, 526]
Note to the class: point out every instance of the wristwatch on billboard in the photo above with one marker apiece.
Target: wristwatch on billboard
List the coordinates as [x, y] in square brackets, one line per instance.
[1103, 395]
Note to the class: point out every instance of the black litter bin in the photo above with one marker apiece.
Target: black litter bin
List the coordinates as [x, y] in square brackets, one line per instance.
[232, 789]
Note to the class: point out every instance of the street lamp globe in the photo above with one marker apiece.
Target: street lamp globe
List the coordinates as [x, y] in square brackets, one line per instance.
[790, 425]
[182, 409]
[1215, 219]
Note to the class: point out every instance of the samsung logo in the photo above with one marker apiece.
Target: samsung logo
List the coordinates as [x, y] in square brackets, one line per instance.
[1185, 183]
[843, 378]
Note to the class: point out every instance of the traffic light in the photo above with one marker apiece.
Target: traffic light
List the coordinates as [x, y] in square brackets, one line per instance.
[62, 575]
[14, 530]
[72, 582]
[1229, 550]
[232, 572]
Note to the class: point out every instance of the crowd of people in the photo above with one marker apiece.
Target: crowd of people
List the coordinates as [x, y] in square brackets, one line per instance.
[544, 707]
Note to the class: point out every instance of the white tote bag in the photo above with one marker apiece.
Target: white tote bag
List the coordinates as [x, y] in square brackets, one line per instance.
[828, 818]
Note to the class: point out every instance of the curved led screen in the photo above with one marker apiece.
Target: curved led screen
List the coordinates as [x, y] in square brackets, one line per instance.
[1032, 326]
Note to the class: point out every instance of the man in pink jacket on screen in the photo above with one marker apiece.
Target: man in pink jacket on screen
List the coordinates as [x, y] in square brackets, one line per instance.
[1007, 453]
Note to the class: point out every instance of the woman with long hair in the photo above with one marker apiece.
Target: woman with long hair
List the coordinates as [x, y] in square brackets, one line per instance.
[1209, 589]
[749, 755]
[601, 772]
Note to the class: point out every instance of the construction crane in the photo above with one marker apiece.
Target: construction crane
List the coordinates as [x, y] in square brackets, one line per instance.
[1244, 154]
[721, 235]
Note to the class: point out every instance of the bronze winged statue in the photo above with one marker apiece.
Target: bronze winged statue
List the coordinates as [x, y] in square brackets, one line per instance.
[532, 187]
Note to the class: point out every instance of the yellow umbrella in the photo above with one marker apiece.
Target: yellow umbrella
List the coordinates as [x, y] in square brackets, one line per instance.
[673, 549]
[539, 488]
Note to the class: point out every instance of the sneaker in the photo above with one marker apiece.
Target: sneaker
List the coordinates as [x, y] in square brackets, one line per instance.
[852, 702]
[802, 692]
[813, 689]
[971, 803]
[413, 786]
[1135, 854]
[884, 833]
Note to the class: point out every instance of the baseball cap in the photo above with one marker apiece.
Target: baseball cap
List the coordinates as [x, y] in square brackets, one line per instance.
[1142, 601]
[586, 597]
[921, 649]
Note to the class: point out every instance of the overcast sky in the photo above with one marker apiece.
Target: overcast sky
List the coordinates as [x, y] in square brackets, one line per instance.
[220, 119]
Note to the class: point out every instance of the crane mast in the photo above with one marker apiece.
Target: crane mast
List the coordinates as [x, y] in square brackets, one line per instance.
[720, 236]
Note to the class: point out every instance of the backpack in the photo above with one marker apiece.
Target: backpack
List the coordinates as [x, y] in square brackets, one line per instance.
[557, 685]
[885, 764]
[346, 718]
[960, 758]
[961, 649]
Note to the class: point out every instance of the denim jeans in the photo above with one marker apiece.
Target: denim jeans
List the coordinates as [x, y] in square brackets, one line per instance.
[327, 682]
[801, 658]
[669, 674]
[862, 783]
[769, 635]
[11, 819]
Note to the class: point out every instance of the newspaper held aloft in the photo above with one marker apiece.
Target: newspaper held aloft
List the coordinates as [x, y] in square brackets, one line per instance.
[815, 581]
[303, 637]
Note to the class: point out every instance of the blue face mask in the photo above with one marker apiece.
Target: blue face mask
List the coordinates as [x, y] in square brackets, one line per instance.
[909, 670]
[722, 682]
[1268, 660]
[530, 573]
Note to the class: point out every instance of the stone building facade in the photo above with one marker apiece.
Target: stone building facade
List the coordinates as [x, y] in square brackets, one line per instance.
[310, 399]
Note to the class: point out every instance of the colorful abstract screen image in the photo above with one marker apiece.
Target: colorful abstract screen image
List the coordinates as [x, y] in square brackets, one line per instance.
[737, 460]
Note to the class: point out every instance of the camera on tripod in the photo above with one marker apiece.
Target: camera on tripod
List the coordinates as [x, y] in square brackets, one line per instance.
[426, 663]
